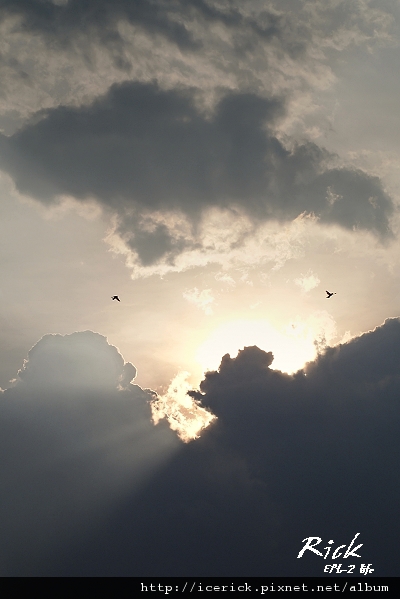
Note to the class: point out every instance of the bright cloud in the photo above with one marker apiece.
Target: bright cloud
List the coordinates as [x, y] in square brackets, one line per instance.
[202, 299]
[307, 282]
[183, 413]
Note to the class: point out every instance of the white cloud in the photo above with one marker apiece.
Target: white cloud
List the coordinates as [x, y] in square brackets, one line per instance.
[228, 239]
[308, 281]
[202, 299]
[223, 277]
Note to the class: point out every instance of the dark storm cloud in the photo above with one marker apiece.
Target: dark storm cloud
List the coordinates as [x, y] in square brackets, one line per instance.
[139, 148]
[314, 454]
[75, 433]
[323, 441]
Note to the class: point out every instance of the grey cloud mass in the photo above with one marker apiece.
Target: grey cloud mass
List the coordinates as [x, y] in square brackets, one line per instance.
[140, 149]
[293, 24]
[76, 433]
[75, 361]
[289, 457]
[68, 52]
[312, 454]
[61, 22]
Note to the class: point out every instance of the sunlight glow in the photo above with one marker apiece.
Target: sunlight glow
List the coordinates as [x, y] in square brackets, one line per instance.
[185, 416]
[292, 347]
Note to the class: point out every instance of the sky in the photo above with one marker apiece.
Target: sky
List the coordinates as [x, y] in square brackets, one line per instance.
[218, 165]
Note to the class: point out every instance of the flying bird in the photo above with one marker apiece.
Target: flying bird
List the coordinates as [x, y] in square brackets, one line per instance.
[330, 294]
[115, 297]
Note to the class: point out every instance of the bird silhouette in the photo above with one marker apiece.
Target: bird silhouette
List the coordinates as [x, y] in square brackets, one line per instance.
[115, 297]
[330, 294]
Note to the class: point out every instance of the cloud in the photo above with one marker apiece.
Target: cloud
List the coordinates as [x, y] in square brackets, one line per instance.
[159, 165]
[224, 237]
[76, 436]
[369, 362]
[61, 22]
[318, 330]
[78, 361]
[323, 443]
[292, 26]
[202, 299]
[288, 457]
[81, 48]
[307, 282]
[183, 414]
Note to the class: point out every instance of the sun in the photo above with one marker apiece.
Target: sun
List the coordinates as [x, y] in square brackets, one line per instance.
[292, 347]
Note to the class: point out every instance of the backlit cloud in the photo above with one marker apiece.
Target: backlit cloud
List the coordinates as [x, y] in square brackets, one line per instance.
[246, 153]
[76, 435]
[288, 457]
[183, 413]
